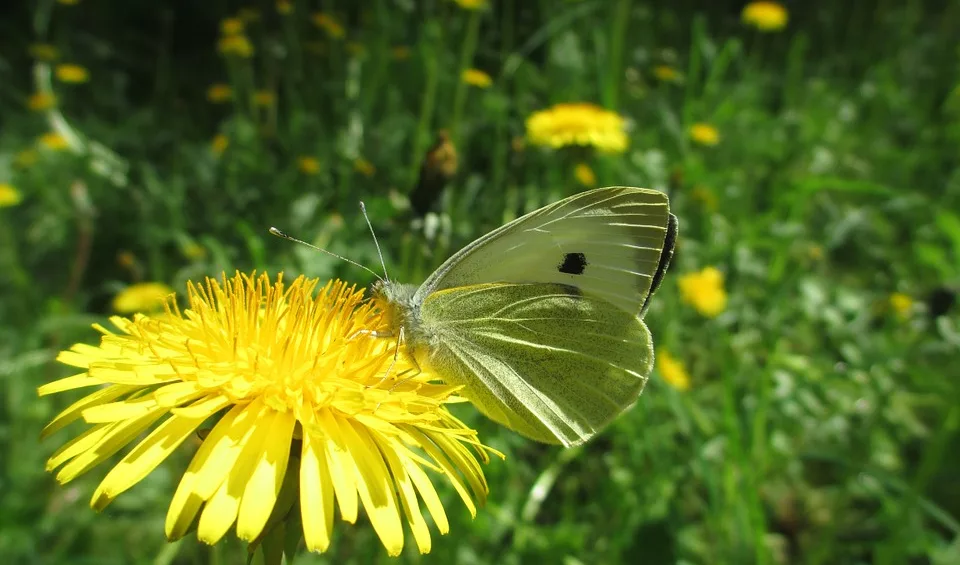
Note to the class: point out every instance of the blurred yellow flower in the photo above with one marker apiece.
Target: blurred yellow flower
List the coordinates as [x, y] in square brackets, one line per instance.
[40, 101]
[585, 175]
[54, 141]
[666, 73]
[477, 78]
[578, 124]
[765, 16]
[364, 167]
[193, 250]
[328, 24]
[673, 371]
[249, 14]
[25, 158]
[231, 26]
[901, 304]
[219, 144]
[705, 196]
[704, 134]
[471, 4]
[44, 52]
[302, 413]
[72, 73]
[237, 45]
[400, 52]
[219, 93]
[142, 297]
[9, 195]
[264, 98]
[308, 165]
[704, 291]
[284, 7]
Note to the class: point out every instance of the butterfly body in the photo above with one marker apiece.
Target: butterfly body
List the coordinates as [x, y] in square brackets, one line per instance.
[540, 320]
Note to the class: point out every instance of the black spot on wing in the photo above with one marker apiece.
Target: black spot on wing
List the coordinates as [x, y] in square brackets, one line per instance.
[669, 242]
[573, 264]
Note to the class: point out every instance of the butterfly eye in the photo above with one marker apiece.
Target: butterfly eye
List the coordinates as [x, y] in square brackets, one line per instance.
[573, 264]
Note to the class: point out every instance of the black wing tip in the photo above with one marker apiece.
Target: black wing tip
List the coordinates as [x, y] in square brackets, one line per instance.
[669, 244]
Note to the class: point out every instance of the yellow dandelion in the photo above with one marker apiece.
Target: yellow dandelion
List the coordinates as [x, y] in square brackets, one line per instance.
[25, 158]
[249, 15]
[53, 141]
[585, 175]
[329, 24]
[40, 101]
[476, 77]
[901, 304]
[471, 4]
[219, 92]
[704, 134]
[231, 26]
[364, 167]
[666, 73]
[765, 16]
[400, 52]
[297, 388]
[264, 98]
[578, 124]
[141, 297]
[704, 291]
[673, 371]
[235, 45]
[219, 144]
[9, 195]
[308, 165]
[73, 74]
[284, 7]
[44, 52]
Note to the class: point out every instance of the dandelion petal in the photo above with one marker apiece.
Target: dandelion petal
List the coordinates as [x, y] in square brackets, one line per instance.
[261, 492]
[316, 494]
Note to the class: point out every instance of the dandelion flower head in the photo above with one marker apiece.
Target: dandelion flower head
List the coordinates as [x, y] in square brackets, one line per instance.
[704, 291]
[765, 16]
[578, 124]
[673, 371]
[476, 77]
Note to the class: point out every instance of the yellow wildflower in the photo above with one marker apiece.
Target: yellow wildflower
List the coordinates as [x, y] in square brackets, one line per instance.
[219, 144]
[54, 141]
[284, 7]
[476, 77]
[231, 26]
[585, 175]
[666, 73]
[578, 124]
[673, 371]
[9, 195]
[44, 52]
[307, 409]
[40, 101]
[704, 291]
[328, 24]
[765, 16]
[193, 250]
[25, 158]
[219, 93]
[704, 134]
[400, 52]
[364, 167]
[264, 98]
[141, 297]
[901, 304]
[471, 4]
[237, 45]
[72, 73]
[308, 165]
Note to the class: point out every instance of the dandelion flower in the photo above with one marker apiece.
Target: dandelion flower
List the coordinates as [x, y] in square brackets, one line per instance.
[585, 175]
[53, 141]
[471, 4]
[364, 167]
[236, 45]
[290, 380]
[9, 195]
[308, 165]
[44, 52]
[141, 297]
[264, 98]
[704, 134]
[73, 74]
[704, 291]
[328, 24]
[901, 304]
[219, 92]
[231, 26]
[284, 7]
[476, 77]
[765, 16]
[673, 371]
[219, 144]
[40, 101]
[578, 124]
[666, 73]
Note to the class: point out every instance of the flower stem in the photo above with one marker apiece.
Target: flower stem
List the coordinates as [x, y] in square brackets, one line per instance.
[466, 61]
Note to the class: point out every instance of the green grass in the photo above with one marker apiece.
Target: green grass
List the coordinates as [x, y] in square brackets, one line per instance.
[820, 427]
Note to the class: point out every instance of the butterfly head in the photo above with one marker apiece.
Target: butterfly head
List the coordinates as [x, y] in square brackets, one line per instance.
[396, 301]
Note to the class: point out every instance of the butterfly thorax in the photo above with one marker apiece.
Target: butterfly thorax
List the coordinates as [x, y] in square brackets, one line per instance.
[397, 302]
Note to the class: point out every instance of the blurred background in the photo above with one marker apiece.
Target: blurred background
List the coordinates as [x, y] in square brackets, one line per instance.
[805, 408]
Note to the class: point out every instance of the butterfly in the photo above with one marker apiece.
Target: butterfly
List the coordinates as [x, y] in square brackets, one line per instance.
[541, 320]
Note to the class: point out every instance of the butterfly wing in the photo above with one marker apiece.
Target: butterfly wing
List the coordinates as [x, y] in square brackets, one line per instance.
[543, 359]
[609, 243]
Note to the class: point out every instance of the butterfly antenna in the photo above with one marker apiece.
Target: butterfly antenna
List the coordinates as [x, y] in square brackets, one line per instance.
[279, 233]
[376, 243]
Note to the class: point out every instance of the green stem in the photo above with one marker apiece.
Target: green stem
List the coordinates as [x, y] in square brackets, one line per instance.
[466, 61]
[427, 107]
[621, 17]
